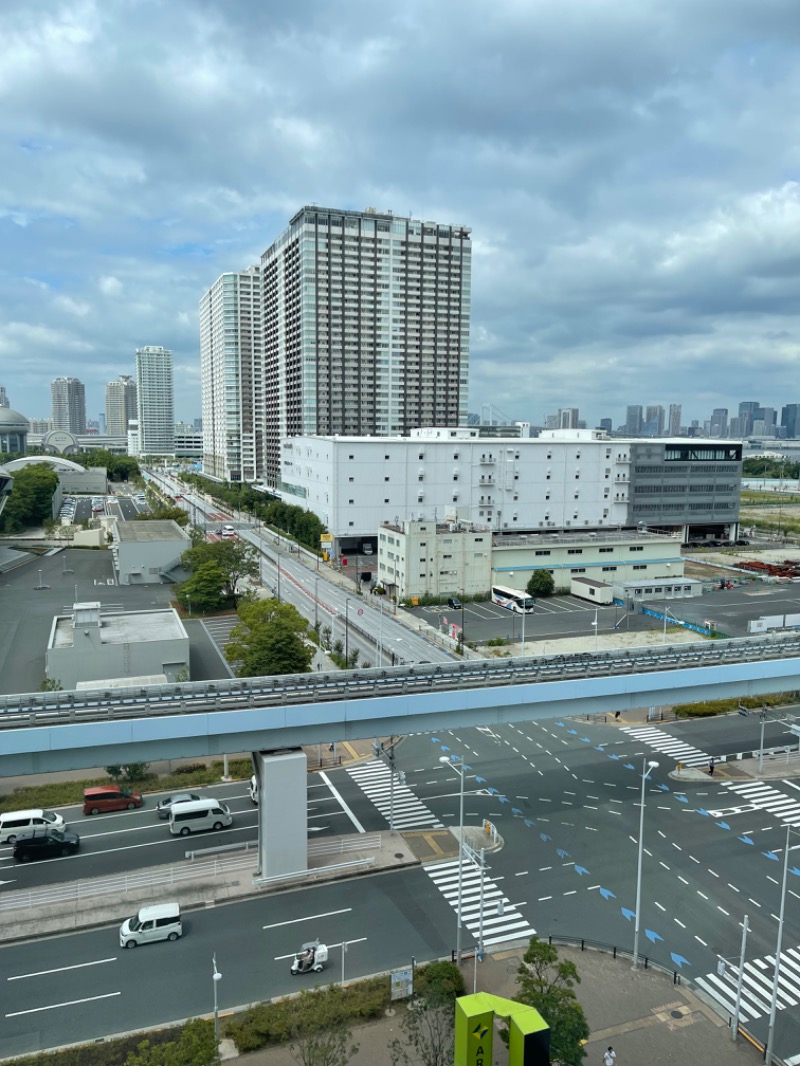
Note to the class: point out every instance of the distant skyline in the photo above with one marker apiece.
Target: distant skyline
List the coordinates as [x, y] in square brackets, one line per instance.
[629, 172]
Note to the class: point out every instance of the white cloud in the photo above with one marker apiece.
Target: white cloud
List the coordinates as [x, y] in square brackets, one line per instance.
[110, 285]
[73, 307]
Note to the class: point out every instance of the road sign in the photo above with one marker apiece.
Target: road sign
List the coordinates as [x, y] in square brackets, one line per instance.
[403, 983]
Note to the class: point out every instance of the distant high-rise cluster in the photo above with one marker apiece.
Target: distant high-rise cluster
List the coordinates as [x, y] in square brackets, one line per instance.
[353, 323]
[68, 398]
[4, 401]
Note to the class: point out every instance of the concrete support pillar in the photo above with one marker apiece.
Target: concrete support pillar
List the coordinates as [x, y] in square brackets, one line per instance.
[282, 812]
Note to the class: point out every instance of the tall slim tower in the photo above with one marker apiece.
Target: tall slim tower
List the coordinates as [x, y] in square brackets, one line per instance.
[366, 326]
[121, 405]
[674, 420]
[232, 377]
[68, 397]
[4, 402]
[155, 402]
[634, 419]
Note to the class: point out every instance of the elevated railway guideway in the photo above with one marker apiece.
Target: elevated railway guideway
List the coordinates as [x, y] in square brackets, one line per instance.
[48, 731]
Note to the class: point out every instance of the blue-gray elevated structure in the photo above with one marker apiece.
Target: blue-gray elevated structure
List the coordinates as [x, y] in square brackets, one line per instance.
[52, 731]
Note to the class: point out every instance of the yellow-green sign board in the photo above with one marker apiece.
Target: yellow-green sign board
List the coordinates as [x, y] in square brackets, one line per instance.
[529, 1034]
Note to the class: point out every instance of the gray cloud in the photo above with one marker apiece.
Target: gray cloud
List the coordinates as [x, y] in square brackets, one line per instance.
[629, 171]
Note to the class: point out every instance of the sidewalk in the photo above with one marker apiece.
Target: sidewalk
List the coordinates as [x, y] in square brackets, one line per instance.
[643, 1016]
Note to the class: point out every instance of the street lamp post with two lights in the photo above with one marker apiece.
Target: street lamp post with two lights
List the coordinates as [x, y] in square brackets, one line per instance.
[461, 769]
[647, 767]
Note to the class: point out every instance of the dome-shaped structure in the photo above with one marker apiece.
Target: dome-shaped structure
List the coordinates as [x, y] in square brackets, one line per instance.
[58, 462]
[13, 431]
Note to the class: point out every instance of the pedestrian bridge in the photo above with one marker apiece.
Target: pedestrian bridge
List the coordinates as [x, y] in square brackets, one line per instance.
[49, 731]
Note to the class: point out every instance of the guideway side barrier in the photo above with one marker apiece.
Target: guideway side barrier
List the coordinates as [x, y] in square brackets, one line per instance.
[53, 708]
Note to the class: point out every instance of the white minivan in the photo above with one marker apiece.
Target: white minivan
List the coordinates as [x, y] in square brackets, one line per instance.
[12, 823]
[196, 815]
[161, 921]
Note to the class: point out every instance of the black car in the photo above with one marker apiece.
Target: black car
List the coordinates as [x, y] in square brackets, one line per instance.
[45, 844]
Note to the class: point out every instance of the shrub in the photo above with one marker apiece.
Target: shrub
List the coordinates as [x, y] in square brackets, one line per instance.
[189, 768]
[709, 708]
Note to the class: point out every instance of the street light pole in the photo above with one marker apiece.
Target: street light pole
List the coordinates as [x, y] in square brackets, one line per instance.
[346, 634]
[768, 1052]
[738, 1007]
[647, 768]
[380, 635]
[461, 769]
[216, 978]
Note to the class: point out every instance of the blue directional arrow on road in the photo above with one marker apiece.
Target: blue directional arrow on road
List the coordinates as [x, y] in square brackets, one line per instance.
[616, 758]
[529, 823]
[680, 961]
[664, 788]
[651, 936]
[627, 913]
[581, 870]
[746, 840]
[445, 747]
[516, 810]
[770, 855]
[545, 837]
[703, 811]
[629, 766]
[586, 740]
[480, 780]
[562, 854]
[435, 740]
[794, 870]
[573, 732]
[723, 825]
[560, 724]
[492, 791]
[682, 799]
[606, 893]
[503, 799]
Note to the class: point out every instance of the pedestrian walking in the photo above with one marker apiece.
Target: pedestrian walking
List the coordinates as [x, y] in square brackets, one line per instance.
[609, 1057]
[711, 765]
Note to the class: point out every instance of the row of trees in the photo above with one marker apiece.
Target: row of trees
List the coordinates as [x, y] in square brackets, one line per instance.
[31, 500]
[300, 524]
[771, 468]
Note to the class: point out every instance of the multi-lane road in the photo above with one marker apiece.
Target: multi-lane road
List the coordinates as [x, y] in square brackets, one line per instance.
[564, 796]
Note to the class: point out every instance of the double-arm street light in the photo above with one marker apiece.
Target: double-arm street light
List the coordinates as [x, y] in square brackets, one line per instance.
[461, 769]
[769, 1050]
[647, 768]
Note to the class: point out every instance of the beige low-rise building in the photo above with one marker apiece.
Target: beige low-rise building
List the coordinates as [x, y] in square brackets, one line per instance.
[90, 644]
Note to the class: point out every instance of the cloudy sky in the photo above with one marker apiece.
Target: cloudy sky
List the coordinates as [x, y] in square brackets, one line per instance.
[629, 168]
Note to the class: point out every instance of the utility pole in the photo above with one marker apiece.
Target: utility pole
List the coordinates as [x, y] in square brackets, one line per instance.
[387, 755]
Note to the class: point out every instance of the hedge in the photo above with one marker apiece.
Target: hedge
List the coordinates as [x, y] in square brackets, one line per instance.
[276, 1023]
[709, 708]
[61, 793]
[100, 1053]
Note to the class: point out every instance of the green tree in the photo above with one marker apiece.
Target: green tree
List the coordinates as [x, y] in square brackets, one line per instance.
[204, 590]
[50, 684]
[163, 513]
[428, 1028]
[318, 1033]
[541, 583]
[235, 558]
[31, 499]
[548, 984]
[268, 640]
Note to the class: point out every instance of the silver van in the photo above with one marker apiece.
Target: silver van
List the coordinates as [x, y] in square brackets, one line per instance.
[12, 823]
[193, 817]
[161, 921]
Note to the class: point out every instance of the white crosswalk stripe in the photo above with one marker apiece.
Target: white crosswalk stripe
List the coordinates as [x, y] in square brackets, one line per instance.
[373, 778]
[766, 798]
[668, 745]
[757, 985]
[501, 919]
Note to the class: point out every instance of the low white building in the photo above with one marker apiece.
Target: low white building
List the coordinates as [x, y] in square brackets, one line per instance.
[91, 645]
[569, 480]
[145, 552]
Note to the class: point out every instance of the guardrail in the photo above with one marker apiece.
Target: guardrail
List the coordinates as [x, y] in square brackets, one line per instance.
[54, 708]
[339, 847]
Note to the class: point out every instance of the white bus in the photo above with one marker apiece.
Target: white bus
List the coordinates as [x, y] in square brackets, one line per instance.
[513, 599]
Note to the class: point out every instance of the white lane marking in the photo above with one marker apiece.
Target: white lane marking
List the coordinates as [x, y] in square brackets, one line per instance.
[307, 918]
[358, 940]
[61, 969]
[68, 1003]
[340, 798]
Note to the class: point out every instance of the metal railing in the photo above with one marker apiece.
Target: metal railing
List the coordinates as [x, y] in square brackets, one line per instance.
[54, 708]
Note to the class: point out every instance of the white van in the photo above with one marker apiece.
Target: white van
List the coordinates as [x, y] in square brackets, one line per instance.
[162, 921]
[196, 815]
[12, 823]
[252, 789]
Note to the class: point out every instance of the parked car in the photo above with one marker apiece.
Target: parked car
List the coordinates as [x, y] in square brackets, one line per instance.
[165, 804]
[455, 603]
[110, 798]
[45, 844]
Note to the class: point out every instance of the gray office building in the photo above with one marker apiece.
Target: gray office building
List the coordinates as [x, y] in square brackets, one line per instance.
[68, 397]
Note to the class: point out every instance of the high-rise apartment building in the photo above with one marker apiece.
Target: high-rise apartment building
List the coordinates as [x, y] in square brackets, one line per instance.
[674, 428]
[68, 398]
[4, 401]
[653, 425]
[354, 323]
[568, 418]
[790, 420]
[155, 401]
[719, 422]
[232, 377]
[747, 410]
[121, 405]
[633, 420]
